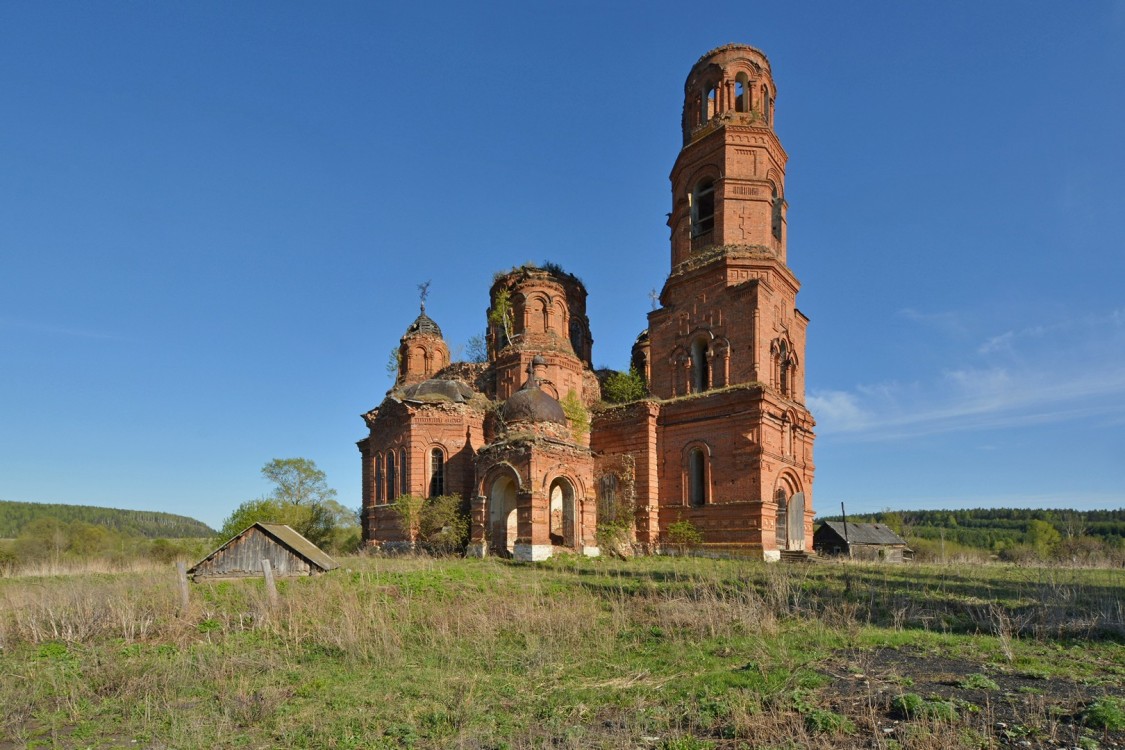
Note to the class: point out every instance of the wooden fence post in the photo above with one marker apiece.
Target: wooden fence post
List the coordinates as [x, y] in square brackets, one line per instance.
[271, 587]
[181, 574]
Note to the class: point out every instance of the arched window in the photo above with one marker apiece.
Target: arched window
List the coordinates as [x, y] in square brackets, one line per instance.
[607, 499]
[741, 93]
[403, 477]
[391, 476]
[697, 477]
[776, 216]
[378, 478]
[781, 527]
[766, 105]
[703, 208]
[700, 373]
[437, 472]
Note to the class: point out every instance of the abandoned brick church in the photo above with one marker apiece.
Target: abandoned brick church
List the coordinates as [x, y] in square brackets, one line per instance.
[723, 440]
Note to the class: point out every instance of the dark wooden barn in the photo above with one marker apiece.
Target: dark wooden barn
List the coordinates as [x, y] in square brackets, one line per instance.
[289, 553]
[862, 541]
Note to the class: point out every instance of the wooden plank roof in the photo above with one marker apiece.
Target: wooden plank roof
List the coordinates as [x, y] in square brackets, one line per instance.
[285, 536]
[865, 533]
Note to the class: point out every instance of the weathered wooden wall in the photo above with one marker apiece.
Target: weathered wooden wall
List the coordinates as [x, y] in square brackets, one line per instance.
[243, 557]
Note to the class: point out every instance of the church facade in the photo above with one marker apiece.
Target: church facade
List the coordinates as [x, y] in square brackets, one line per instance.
[722, 442]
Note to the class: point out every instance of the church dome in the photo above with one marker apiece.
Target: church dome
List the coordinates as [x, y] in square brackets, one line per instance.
[434, 390]
[423, 324]
[531, 404]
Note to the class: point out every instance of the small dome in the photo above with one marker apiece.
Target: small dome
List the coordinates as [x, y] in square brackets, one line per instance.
[538, 360]
[423, 324]
[530, 404]
[433, 390]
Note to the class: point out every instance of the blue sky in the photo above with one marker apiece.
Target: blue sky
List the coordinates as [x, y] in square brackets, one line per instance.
[213, 218]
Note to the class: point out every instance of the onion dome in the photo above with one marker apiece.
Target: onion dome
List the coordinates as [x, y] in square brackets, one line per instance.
[436, 391]
[531, 404]
[423, 324]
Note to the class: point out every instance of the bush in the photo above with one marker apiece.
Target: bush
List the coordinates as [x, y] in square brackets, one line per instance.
[623, 387]
[437, 524]
[913, 706]
[828, 722]
[443, 524]
[684, 534]
[978, 682]
[1106, 713]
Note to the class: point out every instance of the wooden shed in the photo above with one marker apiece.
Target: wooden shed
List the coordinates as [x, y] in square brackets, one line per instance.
[862, 541]
[289, 553]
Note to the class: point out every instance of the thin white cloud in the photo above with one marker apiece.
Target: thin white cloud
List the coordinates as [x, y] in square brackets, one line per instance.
[1062, 371]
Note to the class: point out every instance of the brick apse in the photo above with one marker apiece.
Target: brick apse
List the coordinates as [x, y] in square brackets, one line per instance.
[724, 439]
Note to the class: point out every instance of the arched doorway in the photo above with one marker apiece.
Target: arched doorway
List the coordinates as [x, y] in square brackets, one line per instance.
[503, 527]
[790, 524]
[796, 525]
[562, 514]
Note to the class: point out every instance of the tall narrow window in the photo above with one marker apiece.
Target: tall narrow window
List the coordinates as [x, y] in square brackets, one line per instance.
[783, 369]
[709, 104]
[437, 472]
[403, 476]
[390, 476]
[703, 208]
[378, 478]
[697, 477]
[607, 502]
[776, 217]
[766, 104]
[701, 379]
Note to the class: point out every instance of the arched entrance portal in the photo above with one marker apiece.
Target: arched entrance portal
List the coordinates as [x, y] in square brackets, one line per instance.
[503, 528]
[563, 528]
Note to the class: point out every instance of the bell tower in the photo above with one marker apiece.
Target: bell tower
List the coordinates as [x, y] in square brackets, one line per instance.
[728, 311]
[728, 183]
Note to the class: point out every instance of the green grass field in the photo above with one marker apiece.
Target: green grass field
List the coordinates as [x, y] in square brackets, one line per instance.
[666, 652]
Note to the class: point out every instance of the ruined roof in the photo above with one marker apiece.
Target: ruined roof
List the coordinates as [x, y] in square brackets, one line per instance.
[438, 390]
[865, 533]
[286, 537]
[531, 404]
[423, 324]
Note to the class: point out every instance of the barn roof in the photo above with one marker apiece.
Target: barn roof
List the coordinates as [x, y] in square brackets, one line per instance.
[285, 536]
[865, 533]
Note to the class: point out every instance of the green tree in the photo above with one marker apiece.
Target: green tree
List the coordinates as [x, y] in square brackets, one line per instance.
[1042, 537]
[301, 499]
[298, 481]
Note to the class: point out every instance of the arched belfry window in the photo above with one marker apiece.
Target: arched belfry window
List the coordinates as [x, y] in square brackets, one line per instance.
[700, 370]
[710, 103]
[741, 93]
[766, 114]
[703, 208]
[390, 476]
[784, 367]
[437, 472]
[697, 477]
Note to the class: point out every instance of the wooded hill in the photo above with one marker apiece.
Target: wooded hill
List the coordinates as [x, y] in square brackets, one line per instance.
[15, 516]
[996, 528]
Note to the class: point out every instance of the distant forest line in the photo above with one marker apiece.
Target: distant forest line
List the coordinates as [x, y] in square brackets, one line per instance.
[17, 516]
[1001, 530]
